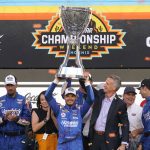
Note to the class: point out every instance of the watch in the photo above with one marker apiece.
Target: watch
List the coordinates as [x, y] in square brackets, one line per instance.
[45, 120]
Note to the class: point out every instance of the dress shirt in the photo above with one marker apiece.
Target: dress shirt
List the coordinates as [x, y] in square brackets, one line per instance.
[102, 118]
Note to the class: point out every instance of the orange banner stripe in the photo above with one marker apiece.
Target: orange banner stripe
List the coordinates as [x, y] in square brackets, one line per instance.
[48, 16]
[127, 16]
[26, 16]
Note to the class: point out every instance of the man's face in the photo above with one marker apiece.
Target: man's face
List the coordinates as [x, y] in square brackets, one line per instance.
[143, 92]
[129, 98]
[70, 99]
[109, 86]
[11, 89]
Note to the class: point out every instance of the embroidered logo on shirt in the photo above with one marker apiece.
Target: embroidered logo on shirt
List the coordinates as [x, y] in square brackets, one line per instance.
[147, 116]
[133, 114]
[19, 101]
[71, 124]
[75, 118]
[63, 115]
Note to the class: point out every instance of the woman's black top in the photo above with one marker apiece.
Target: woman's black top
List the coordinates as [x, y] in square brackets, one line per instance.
[49, 127]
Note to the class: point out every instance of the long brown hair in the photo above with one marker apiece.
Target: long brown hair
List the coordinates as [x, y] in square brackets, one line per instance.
[38, 98]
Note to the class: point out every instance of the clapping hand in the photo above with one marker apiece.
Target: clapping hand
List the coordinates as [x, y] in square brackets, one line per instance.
[11, 116]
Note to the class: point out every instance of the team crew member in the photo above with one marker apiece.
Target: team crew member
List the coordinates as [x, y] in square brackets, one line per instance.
[70, 116]
[44, 124]
[134, 116]
[13, 118]
[145, 93]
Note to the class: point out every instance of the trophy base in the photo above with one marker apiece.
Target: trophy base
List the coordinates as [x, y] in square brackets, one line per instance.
[70, 72]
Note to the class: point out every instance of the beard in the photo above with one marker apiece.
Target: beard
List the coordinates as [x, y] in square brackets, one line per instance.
[11, 93]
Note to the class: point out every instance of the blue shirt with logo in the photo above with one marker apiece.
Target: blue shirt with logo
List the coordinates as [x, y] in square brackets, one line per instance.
[16, 104]
[145, 140]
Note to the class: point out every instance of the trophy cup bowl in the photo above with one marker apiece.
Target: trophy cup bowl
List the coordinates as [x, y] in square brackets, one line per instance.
[74, 20]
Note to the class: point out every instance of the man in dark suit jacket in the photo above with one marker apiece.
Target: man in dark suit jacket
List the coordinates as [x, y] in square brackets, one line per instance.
[109, 113]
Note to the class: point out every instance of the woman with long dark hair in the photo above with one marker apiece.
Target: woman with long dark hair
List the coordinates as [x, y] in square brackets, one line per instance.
[44, 124]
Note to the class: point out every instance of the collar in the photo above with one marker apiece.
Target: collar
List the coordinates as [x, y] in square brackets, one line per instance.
[70, 107]
[111, 98]
[12, 96]
[148, 98]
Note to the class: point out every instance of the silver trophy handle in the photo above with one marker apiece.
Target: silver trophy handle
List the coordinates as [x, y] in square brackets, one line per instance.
[66, 59]
[78, 59]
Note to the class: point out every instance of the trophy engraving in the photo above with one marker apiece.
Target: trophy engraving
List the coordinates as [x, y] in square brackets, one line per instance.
[75, 20]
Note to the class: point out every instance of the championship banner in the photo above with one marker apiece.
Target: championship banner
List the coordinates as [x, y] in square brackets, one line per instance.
[116, 37]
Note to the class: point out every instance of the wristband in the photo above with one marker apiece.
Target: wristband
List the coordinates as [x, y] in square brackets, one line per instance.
[45, 120]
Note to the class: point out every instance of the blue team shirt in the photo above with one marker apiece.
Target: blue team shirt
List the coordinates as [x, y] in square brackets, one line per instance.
[16, 104]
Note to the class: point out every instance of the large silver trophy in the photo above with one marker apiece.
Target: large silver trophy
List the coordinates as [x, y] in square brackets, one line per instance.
[75, 20]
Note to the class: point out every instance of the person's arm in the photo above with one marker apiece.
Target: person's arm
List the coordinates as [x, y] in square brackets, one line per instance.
[89, 99]
[54, 119]
[49, 97]
[36, 125]
[87, 115]
[123, 117]
[3, 118]
[139, 147]
[25, 115]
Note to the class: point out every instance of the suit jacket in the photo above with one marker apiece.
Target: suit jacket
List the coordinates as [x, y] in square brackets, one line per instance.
[117, 114]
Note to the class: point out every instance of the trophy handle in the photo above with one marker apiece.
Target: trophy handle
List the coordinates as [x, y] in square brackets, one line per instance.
[78, 59]
[66, 59]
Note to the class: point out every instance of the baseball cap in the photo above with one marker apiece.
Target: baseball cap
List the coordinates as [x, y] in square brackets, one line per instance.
[145, 82]
[70, 91]
[10, 79]
[129, 89]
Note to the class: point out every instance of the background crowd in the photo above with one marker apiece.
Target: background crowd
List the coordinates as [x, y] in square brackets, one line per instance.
[92, 118]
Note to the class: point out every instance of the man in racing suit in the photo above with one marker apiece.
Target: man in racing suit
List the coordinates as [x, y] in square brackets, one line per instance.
[81, 98]
[145, 93]
[70, 116]
[14, 116]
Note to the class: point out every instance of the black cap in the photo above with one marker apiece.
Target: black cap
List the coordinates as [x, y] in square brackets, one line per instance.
[129, 89]
[145, 82]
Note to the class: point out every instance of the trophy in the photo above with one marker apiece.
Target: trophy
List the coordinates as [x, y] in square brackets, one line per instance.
[75, 20]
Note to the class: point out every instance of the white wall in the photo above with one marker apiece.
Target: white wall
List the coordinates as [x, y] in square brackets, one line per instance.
[39, 87]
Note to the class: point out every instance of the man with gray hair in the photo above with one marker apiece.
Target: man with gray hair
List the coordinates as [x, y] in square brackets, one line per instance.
[108, 112]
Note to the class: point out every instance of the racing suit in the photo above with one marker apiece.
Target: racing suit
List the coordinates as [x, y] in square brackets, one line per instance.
[12, 133]
[69, 120]
[145, 139]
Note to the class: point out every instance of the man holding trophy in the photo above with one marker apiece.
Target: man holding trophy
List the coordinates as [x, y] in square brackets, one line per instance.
[69, 117]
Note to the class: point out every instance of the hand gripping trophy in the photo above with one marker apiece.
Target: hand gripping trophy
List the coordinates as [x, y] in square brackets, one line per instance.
[75, 20]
